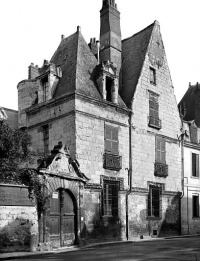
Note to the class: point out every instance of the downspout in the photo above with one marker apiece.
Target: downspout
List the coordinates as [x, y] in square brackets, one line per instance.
[129, 172]
[182, 115]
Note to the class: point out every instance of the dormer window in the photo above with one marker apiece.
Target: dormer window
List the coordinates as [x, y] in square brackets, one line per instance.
[108, 82]
[45, 88]
[109, 87]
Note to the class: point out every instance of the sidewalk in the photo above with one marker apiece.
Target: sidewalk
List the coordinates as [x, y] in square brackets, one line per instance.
[13, 255]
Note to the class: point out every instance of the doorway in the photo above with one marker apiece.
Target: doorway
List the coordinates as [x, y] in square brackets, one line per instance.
[62, 221]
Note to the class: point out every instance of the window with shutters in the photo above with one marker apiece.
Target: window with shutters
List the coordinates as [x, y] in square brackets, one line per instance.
[154, 202]
[195, 206]
[154, 120]
[161, 168]
[195, 165]
[110, 198]
[193, 134]
[152, 75]
[111, 158]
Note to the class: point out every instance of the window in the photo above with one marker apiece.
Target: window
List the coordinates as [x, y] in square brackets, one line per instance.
[193, 134]
[195, 205]
[160, 150]
[45, 88]
[152, 76]
[46, 139]
[111, 139]
[153, 110]
[110, 198]
[154, 201]
[109, 87]
[195, 165]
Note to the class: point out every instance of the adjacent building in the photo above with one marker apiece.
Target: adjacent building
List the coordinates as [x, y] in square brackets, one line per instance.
[189, 108]
[105, 125]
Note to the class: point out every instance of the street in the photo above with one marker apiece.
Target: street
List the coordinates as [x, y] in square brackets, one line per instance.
[169, 249]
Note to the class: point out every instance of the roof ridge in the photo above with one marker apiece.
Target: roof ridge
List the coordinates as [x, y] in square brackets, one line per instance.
[140, 31]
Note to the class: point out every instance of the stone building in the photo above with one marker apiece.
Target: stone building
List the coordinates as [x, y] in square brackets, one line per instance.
[112, 104]
[11, 116]
[189, 107]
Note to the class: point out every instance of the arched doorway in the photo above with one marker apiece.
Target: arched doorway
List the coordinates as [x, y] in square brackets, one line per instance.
[62, 220]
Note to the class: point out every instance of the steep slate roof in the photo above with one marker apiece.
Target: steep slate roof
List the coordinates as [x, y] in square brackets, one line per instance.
[133, 55]
[188, 101]
[79, 67]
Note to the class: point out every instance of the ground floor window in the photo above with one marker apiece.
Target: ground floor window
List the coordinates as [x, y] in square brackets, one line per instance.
[195, 205]
[154, 201]
[110, 198]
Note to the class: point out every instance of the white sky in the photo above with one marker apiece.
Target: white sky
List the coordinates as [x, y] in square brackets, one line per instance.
[30, 31]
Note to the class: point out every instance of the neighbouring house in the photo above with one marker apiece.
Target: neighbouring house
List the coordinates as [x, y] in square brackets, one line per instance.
[189, 108]
[104, 124]
[11, 116]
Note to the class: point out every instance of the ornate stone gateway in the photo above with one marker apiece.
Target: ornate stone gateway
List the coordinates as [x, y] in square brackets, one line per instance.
[64, 179]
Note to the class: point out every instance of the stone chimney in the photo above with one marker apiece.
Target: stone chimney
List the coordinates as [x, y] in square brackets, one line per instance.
[33, 71]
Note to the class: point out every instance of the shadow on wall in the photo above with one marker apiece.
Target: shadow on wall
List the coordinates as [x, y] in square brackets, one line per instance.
[16, 236]
[101, 230]
[170, 225]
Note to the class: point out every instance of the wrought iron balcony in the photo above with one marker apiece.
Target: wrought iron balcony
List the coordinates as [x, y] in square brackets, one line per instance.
[161, 169]
[112, 162]
[154, 122]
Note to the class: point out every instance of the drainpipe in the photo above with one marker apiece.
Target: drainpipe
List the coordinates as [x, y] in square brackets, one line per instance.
[129, 172]
[182, 115]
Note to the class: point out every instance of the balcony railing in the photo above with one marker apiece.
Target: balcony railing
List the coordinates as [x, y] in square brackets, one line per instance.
[154, 122]
[161, 169]
[112, 162]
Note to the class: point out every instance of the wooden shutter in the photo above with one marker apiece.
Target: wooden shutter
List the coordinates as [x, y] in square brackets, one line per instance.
[160, 150]
[111, 139]
[195, 165]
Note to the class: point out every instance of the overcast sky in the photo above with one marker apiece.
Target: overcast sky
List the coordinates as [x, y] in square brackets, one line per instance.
[30, 31]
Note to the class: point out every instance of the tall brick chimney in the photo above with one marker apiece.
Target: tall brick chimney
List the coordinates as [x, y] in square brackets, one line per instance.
[110, 34]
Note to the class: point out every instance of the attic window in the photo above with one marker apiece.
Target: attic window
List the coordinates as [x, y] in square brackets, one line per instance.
[109, 86]
[152, 76]
[59, 71]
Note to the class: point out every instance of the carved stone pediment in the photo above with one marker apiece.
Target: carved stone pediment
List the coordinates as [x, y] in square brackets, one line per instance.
[62, 164]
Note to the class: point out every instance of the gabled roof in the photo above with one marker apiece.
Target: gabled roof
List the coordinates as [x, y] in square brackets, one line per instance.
[78, 66]
[188, 102]
[133, 55]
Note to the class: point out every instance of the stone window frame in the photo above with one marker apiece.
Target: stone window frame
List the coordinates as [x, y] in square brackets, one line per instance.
[153, 118]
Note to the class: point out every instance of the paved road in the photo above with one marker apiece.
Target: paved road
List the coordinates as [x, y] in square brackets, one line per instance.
[177, 249]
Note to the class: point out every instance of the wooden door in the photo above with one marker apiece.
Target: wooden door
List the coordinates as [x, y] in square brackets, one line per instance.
[68, 220]
[54, 219]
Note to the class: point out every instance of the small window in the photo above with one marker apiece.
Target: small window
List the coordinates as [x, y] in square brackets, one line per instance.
[160, 150]
[111, 140]
[46, 139]
[109, 87]
[152, 76]
[193, 134]
[110, 198]
[195, 205]
[195, 165]
[154, 201]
